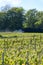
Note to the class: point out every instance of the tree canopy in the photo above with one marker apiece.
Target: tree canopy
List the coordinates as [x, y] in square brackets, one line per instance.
[17, 18]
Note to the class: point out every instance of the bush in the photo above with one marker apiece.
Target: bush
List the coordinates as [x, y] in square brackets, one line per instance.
[1, 36]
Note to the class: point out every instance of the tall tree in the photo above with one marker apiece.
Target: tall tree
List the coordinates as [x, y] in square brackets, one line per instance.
[15, 17]
[31, 18]
[2, 20]
[39, 23]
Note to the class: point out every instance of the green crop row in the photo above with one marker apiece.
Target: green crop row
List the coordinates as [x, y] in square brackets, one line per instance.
[22, 50]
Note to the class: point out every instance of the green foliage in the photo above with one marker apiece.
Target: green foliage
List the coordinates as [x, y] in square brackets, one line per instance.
[31, 18]
[12, 19]
[1, 36]
[17, 18]
[26, 49]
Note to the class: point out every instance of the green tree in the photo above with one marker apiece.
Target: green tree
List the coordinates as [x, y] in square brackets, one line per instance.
[31, 18]
[39, 23]
[16, 17]
[2, 20]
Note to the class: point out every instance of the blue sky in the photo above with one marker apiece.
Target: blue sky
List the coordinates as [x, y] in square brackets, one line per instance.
[26, 4]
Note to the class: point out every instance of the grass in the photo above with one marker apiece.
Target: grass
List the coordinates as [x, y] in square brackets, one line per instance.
[21, 48]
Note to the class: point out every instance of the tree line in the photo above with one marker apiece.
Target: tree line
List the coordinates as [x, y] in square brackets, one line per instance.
[17, 18]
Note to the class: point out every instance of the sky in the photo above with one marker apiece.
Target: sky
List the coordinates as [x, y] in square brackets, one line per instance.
[26, 4]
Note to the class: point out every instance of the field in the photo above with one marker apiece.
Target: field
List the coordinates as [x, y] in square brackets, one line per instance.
[21, 48]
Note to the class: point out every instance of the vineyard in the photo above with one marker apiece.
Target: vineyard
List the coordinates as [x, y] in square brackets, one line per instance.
[21, 48]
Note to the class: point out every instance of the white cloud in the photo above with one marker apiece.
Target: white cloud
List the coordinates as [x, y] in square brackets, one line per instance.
[14, 2]
[11, 2]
